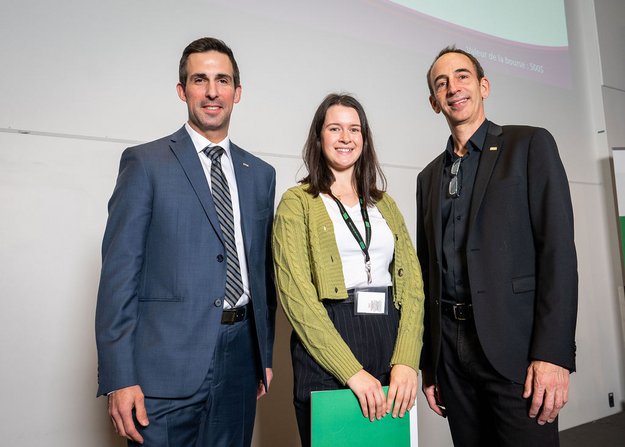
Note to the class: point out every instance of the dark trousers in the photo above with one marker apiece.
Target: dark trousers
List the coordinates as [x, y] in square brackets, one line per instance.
[370, 337]
[484, 408]
[221, 413]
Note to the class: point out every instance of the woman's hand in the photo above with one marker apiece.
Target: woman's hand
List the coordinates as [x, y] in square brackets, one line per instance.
[369, 392]
[403, 390]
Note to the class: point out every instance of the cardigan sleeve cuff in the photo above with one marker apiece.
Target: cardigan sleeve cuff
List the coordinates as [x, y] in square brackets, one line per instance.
[407, 350]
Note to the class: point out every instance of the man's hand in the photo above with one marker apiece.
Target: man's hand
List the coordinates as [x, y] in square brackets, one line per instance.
[402, 390]
[121, 403]
[432, 395]
[548, 385]
[369, 392]
[261, 391]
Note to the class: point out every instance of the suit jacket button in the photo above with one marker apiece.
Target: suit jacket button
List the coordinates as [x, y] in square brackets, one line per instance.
[220, 258]
[218, 302]
[400, 272]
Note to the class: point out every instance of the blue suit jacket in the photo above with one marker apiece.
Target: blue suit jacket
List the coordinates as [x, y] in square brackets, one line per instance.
[163, 268]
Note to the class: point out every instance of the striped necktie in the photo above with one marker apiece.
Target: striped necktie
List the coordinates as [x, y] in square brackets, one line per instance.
[223, 205]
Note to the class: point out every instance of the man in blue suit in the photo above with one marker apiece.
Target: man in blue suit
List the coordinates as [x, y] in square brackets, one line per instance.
[495, 242]
[186, 304]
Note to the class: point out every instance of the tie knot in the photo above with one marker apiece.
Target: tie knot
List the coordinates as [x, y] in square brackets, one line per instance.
[214, 152]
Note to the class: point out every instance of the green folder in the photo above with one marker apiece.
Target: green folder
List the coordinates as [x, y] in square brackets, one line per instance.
[337, 420]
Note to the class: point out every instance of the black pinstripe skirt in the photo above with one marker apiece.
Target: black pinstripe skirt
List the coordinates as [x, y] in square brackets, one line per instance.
[370, 337]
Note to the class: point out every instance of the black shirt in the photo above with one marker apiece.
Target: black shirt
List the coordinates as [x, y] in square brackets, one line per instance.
[455, 216]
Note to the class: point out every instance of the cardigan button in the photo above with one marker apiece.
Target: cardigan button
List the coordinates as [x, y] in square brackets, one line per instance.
[336, 290]
[400, 272]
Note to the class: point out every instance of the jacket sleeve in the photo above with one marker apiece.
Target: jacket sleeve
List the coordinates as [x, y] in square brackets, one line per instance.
[551, 215]
[298, 295]
[269, 279]
[130, 209]
[423, 255]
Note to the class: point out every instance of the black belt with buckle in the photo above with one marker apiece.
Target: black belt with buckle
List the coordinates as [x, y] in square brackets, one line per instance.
[457, 311]
[231, 316]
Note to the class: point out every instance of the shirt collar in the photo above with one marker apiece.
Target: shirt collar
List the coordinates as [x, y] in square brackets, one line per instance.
[476, 142]
[200, 142]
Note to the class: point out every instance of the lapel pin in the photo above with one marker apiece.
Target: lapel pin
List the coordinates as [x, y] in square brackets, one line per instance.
[493, 148]
[246, 165]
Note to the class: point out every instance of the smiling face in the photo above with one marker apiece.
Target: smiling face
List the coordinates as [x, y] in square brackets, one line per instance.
[341, 138]
[458, 93]
[210, 93]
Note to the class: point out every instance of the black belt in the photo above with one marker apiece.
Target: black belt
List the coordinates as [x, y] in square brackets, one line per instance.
[457, 311]
[231, 316]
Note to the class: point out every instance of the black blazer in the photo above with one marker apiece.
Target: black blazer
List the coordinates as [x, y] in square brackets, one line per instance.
[520, 253]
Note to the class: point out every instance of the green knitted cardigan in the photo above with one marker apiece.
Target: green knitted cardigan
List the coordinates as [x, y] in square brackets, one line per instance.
[308, 269]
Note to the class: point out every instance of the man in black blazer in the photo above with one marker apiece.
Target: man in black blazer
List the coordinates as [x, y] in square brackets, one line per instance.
[186, 304]
[495, 242]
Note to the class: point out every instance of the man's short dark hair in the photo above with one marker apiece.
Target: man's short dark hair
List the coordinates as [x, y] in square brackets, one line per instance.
[452, 49]
[202, 46]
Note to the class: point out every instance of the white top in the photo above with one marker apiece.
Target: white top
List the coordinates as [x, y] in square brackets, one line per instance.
[381, 248]
[200, 143]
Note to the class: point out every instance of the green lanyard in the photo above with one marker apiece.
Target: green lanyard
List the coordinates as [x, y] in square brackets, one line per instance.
[364, 246]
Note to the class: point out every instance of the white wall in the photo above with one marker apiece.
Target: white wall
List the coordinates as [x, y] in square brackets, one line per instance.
[88, 78]
[53, 193]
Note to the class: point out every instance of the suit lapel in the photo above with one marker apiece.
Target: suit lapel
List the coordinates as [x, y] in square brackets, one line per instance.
[184, 150]
[490, 153]
[243, 171]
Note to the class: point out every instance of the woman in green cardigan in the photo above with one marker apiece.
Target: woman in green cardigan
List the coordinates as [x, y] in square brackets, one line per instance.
[346, 272]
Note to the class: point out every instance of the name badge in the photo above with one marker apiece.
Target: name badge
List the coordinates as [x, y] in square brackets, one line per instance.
[371, 301]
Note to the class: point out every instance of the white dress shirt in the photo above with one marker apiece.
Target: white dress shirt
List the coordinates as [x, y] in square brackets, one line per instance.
[200, 142]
